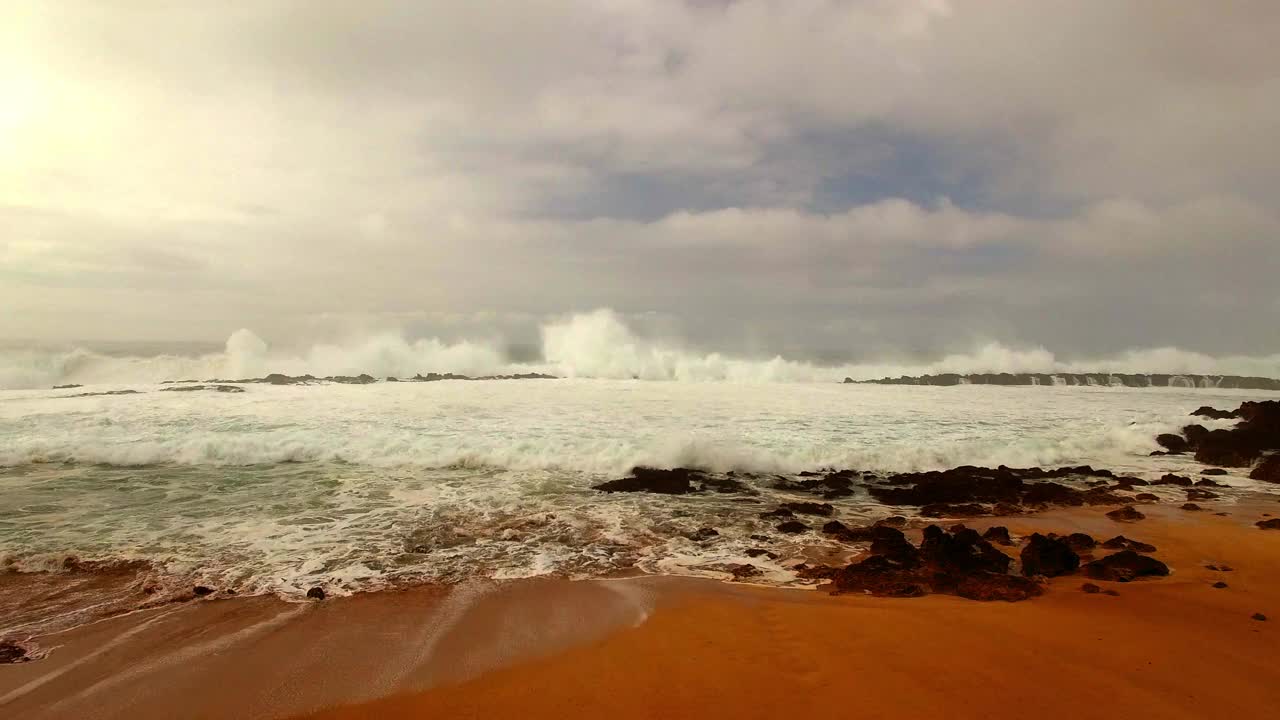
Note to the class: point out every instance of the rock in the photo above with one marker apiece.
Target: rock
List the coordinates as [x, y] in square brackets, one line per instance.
[1268, 470]
[703, 534]
[1213, 471]
[1194, 493]
[815, 572]
[808, 508]
[1090, 588]
[1047, 556]
[316, 593]
[1173, 444]
[895, 521]
[1146, 497]
[1121, 542]
[744, 571]
[679, 481]
[779, 513]
[66, 387]
[12, 652]
[998, 534]
[878, 576]
[761, 552]
[1191, 507]
[1080, 541]
[957, 562]
[1205, 411]
[201, 590]
[1259, 617]
[1219, 585]
[953, 510]
[792, 527]
[1272, 524]
[987, 587]
[1171, 479]
[1125, 566]
[1206, 482]
[1126, 514]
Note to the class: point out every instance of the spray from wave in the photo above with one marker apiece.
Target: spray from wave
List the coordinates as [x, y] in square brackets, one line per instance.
[597, 344]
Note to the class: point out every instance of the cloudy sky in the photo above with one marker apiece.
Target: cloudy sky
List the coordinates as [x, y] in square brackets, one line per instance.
[852, 177]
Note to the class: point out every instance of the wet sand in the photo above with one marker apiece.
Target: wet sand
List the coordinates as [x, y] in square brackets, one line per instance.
[667, 647]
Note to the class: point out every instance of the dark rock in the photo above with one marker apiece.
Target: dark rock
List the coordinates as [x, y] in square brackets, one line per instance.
[679, 481]
[201, 591]
[792, 527]
[1080, 541]
[1192, 507]
[895, 521]
[1205, 411]
[808, 508]
[1048, 556]
[779, 513]
[1091, 588]
[879, 576]
[1121, 542]
[66, 387]
[815, 572]
[998, 534]
[1219, 585]
[1171, 479]
[316, 593]
[1174, 444]
[703, 534]
[1194, 493]
[1146, 497]
[761, 552]
[1268, 470]
[1259, 617]
[1213, 471]
[958, 562]
[950, 510]
[987, 587]
[1126, 514]
[12, 652]
[1125, 566]
[1206, 482]
[744, 571]
[194, 388]
[1272, 524]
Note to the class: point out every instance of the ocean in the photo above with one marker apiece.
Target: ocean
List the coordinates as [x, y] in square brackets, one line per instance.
[279, 489]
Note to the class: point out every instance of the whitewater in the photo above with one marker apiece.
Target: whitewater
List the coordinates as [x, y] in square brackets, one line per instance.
[597, 344]
[278, 489]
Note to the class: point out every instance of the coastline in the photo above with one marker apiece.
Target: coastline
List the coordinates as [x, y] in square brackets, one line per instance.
[657, 646]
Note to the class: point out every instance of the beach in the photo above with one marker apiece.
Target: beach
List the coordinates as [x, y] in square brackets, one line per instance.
[651, 647]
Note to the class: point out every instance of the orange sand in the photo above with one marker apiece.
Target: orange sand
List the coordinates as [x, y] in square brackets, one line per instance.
[1174, 648]
[670, 648]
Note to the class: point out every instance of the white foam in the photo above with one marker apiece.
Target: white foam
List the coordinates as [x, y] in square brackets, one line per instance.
[596, 344]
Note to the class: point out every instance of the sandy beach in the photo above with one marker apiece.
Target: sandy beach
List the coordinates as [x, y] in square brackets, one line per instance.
[653, 647]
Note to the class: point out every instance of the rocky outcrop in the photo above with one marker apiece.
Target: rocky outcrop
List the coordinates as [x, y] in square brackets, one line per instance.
[1256, 433]
[12, 653]
[1048, 556]
[1268, 470]
[196, 388]
[1125, 566]
[957, 562]
[679, 481]
[1083, 379]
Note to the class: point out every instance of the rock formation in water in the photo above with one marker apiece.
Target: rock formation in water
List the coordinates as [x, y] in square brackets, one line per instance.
[1231, 382]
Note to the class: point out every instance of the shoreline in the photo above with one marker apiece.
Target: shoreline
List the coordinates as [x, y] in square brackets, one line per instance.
[651, 645]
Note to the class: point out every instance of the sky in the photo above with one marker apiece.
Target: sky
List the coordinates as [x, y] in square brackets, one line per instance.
[822, 178]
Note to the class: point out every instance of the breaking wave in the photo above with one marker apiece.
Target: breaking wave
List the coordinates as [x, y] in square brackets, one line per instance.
[598, 344]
